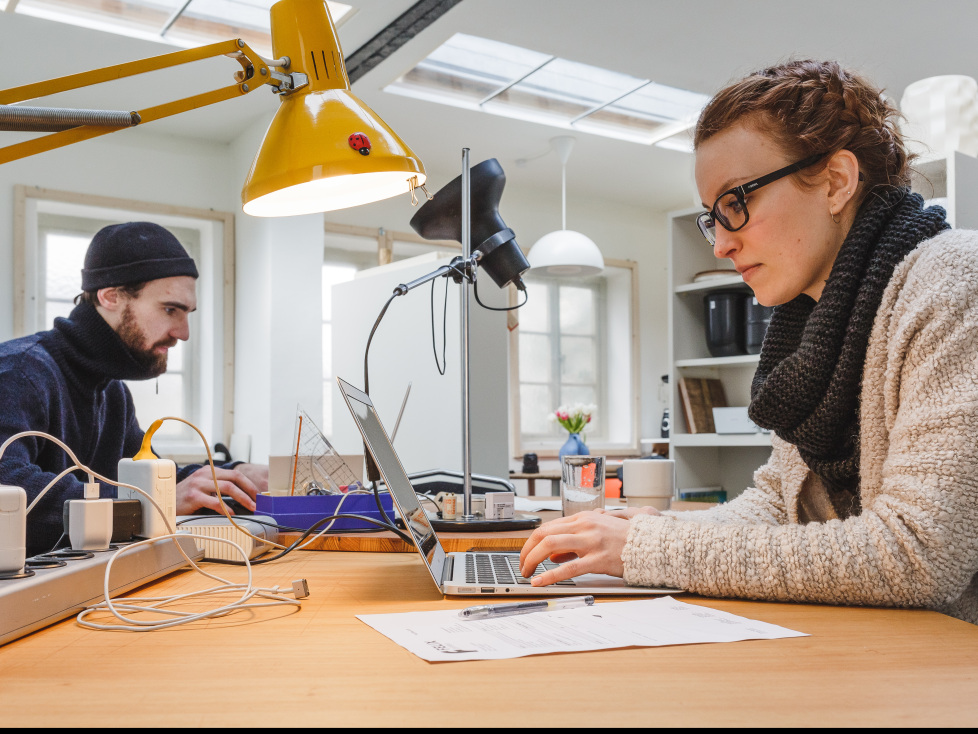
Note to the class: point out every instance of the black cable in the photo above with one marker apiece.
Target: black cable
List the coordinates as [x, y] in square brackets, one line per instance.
[444, 330]
[366, 352]
[313, 529]
[475, 289]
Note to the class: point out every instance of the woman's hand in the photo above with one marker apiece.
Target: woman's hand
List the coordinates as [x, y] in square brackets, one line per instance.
[588, 542]
[630, 512]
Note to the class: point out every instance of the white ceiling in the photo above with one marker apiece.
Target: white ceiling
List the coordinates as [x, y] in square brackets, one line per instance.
[697, 44]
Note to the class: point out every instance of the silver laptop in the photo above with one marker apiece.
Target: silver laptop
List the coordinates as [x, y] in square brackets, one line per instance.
[462, 574]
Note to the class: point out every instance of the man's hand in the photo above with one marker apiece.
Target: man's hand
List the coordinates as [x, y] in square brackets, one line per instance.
[257, 473]
[588, 542]
[198, 489]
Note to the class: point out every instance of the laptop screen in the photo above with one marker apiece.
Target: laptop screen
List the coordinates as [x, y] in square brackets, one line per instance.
[396, 478]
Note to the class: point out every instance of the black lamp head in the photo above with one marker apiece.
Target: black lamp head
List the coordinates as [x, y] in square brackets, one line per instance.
[441, 219]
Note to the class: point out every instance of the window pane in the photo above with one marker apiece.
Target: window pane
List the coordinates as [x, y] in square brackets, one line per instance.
[535, 409]
[56, 308]
[577, 306]
[535, 315]
[170, 401]
[176, 360]
[207, 21]
[468, 68]
[535, 358]
[561, 91]
[139, 16]
[65, 256]
[578, 361]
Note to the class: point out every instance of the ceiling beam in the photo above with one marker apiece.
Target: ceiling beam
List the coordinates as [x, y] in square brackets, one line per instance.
[405, 27]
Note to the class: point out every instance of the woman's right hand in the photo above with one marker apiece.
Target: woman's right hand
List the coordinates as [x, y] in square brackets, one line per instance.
[629, 512]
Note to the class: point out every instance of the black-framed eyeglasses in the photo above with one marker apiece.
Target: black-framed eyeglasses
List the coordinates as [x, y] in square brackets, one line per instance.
[730, 208]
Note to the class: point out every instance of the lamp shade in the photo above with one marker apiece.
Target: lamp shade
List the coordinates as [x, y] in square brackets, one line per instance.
[324, 149]
[565, 252]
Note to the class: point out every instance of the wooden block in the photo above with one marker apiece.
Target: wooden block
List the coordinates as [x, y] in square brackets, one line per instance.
[699, 396]
[694, 396]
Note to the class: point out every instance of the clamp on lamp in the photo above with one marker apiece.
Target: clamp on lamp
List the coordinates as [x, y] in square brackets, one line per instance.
[324, 149]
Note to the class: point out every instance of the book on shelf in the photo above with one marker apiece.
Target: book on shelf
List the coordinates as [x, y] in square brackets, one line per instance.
[699, 396]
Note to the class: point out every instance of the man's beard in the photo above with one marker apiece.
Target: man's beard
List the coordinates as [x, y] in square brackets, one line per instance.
[133, 337]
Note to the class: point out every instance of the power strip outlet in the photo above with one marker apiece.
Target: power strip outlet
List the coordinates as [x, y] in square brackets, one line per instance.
[221, 527]
[158, 478]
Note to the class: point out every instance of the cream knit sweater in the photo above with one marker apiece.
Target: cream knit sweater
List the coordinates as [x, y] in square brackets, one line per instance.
[916, 542]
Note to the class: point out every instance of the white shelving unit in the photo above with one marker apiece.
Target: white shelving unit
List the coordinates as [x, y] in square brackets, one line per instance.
[705, 459]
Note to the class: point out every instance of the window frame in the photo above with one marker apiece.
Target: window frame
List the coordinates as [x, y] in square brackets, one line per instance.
[550, 449]
[29, 200]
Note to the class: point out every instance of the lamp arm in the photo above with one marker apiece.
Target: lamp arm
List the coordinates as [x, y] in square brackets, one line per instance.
[253, 74]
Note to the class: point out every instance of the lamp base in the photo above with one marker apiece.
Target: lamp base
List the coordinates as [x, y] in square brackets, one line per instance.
[481, 525]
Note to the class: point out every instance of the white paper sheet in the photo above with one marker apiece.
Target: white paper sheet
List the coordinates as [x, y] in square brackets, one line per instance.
[442, 636]
[534, 504]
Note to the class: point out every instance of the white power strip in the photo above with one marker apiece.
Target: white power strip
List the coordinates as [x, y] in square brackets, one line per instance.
[221, 527]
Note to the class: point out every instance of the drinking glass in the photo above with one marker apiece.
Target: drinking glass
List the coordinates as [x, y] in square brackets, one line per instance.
[581, 483]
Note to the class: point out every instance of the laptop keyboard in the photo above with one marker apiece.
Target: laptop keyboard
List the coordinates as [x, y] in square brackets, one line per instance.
[498, 568]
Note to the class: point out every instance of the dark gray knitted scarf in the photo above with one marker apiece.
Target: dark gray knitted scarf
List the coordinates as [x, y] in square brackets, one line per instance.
[807, 385]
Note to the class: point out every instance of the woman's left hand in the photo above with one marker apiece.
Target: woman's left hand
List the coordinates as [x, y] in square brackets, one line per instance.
[587, 542]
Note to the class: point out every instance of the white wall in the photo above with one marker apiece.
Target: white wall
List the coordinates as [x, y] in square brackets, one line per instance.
[278, 298]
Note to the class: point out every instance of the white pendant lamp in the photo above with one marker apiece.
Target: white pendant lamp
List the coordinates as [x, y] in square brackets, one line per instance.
[565, 252]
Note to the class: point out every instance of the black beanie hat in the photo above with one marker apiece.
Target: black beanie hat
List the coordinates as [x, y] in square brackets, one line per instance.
[134, 252]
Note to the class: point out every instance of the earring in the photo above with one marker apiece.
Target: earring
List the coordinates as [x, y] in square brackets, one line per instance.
[833, 218]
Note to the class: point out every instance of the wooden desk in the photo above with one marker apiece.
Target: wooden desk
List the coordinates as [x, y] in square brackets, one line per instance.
[322, 667]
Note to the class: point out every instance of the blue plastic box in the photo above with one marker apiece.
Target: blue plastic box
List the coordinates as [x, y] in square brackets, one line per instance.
[303, 511]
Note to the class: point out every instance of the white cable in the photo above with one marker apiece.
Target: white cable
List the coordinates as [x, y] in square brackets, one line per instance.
[247, 591]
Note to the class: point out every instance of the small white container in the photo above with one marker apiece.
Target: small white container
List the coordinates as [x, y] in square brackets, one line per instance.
[649, 482]
[733, 420]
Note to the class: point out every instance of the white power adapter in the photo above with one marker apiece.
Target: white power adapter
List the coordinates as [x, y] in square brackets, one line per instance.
[158, 478]
[13, 529]
[90, 521]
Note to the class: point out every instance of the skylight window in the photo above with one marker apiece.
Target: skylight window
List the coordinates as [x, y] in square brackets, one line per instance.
[185, 23]
[480, 74]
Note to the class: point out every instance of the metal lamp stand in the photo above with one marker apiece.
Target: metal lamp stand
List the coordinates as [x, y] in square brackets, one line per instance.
[468, 515]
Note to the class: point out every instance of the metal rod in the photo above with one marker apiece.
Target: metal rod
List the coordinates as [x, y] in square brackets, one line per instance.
[173, 18]
[467, 513]
[513, 83]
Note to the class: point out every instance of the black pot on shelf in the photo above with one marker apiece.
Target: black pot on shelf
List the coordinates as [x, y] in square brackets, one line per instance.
[725, 333]
[756, 320]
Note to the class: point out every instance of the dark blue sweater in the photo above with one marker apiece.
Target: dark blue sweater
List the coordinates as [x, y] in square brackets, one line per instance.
[66, 382]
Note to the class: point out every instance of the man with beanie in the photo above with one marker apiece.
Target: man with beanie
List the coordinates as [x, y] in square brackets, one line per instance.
[139, 286]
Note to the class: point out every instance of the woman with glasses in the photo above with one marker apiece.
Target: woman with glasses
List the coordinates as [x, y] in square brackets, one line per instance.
[868, 376]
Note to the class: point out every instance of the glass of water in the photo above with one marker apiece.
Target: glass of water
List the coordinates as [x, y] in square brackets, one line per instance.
[581, 483]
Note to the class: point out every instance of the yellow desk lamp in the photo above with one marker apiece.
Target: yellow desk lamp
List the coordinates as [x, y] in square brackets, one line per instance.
[324, 150]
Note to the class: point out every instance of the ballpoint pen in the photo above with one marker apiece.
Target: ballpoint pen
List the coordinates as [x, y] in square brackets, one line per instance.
[487, 611]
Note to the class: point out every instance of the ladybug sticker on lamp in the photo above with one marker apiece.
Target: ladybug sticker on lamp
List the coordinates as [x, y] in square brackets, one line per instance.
[360, 143]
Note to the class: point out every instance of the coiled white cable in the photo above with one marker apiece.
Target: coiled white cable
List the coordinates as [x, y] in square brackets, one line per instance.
[157, 604]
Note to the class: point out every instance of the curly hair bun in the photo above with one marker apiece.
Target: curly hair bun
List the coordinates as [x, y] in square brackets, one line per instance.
[812, 107]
